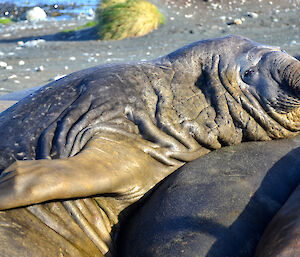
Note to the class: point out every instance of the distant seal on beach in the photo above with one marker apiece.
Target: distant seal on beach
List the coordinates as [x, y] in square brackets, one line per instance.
[106, 135]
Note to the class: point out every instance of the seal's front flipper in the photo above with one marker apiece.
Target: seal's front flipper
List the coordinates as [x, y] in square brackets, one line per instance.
[112, 164]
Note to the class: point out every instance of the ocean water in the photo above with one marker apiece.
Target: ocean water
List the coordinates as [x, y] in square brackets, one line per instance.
[66, 8]
[53, 2]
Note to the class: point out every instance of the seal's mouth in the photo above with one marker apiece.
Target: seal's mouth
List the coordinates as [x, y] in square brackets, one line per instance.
[285, 103]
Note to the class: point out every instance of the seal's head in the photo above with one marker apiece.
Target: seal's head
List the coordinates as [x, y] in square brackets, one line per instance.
[265, 76]
[271, 74]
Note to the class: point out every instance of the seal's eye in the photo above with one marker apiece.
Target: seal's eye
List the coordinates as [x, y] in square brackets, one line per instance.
[250, 75]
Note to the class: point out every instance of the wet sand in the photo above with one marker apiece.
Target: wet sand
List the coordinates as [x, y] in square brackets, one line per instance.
[273, 22]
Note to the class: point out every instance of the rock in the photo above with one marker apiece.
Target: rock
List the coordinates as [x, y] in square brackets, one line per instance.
[36, 14]
[3, 64]
[91, 13]
[293, 42]
[57, 77]
[188, 16]
[40, 68]
[252, 14]
[33, 43]
[12, 76]
[214, 6]
[237, 21]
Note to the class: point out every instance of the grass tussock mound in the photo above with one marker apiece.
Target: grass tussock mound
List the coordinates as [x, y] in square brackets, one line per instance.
[119, 19]
[5, 21]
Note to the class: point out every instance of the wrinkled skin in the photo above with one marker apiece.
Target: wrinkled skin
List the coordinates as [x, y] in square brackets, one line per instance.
[120, 129]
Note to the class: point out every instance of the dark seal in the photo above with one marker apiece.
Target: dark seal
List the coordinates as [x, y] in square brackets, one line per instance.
[282, 236]
[110, 133]
[220, 205]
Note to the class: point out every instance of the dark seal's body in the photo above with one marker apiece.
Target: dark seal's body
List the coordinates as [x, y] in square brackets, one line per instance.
[282, 236]
[110, 133]
[219, 205]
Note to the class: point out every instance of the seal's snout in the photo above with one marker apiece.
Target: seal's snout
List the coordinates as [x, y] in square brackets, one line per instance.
[291, 77]
[297, 88]
[297, 83]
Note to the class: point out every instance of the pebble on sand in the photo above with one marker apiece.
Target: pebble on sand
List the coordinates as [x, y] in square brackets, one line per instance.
[237, 21]
[252, 14]
[57, 77]
[40, 68]
[3, 64]
[32, 43]
[12, 76]
[293, 42]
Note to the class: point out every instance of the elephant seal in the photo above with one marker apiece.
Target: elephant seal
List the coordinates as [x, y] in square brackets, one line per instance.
[282, 236]
[219, 205]
[108, 134]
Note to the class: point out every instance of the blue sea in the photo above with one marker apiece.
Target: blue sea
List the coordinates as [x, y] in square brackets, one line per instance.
[52, 2]
[70, 7]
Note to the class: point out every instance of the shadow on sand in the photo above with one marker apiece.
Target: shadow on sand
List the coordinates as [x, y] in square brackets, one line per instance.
[79, 35]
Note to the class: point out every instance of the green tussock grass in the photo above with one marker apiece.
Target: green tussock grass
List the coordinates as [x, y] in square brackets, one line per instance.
[119, 19]
[85, 26]
[5, 21]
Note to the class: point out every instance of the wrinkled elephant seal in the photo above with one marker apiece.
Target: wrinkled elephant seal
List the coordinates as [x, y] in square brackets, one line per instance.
[112, 132]
[218, 205]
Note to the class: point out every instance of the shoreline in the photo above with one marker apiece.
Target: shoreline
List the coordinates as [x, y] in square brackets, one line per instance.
[16, 10]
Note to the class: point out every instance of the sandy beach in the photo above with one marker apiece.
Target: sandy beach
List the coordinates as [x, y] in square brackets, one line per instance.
[36, 54]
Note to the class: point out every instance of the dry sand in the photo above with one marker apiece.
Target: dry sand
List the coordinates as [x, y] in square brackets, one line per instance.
[277, 23]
